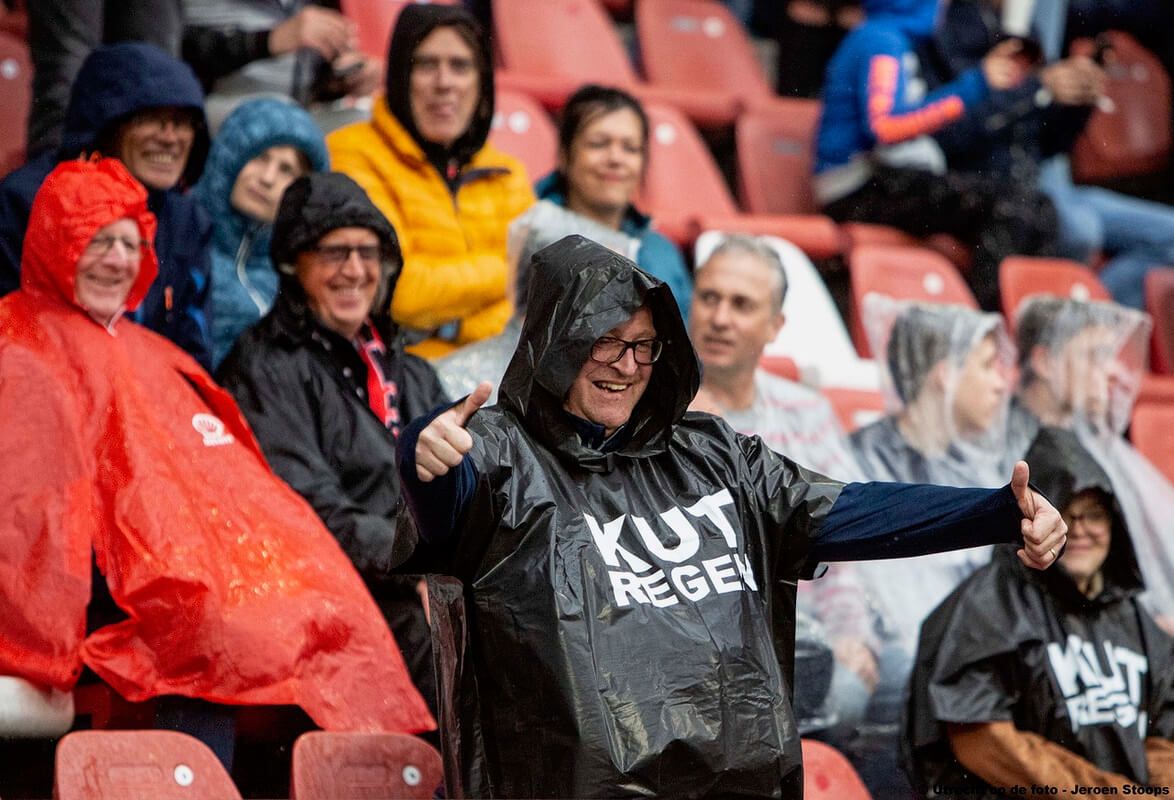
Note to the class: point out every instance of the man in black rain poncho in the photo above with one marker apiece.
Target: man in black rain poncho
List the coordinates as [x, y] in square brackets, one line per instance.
[630, 568]
[1055, 679]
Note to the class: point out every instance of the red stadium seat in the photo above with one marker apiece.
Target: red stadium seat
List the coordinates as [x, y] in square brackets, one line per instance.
[1134, 137]
[775, 155]
[1159, 302]
[828, 775]
[16, 94]
[372, 766]
[376, 19]
[685, 193]
[699, 49]
[1022, 276]
[905, 273]
[855, 408]
[1150, 432]
[1156, 389]
[549, 48]
[138, 765]
[523, 129]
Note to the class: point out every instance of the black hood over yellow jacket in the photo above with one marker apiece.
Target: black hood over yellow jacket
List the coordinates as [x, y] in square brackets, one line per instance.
[414, 25]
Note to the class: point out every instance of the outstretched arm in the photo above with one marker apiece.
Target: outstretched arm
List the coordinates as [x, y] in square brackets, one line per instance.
[885, 520]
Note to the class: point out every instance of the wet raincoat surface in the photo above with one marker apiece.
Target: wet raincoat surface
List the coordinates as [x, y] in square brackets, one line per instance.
[631, 600]
[1092, 677]
[117, 442]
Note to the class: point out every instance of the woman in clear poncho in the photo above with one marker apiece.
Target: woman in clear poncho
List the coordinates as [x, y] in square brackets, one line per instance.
[1080, 367]
[946, 376]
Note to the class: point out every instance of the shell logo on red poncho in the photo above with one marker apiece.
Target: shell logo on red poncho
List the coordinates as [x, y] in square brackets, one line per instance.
[212, 429]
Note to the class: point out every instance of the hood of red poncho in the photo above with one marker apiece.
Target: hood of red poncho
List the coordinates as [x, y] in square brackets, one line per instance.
[78, 199]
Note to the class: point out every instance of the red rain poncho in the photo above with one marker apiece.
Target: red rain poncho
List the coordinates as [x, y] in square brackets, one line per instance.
[114, 439]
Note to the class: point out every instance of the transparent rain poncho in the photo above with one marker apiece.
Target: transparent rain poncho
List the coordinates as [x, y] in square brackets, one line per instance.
[544, 223]
[946, 374]
[1081, 365]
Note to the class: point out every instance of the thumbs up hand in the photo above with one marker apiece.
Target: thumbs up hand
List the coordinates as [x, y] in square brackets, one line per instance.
[444, 442]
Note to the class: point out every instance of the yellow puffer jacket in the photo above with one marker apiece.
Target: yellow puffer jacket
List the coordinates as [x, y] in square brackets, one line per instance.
[454, 247]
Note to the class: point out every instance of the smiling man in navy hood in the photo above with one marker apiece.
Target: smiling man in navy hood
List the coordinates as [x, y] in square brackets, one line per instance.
[135, 102]
[630, 566]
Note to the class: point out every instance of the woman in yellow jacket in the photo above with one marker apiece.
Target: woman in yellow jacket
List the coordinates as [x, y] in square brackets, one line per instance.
[423, 159]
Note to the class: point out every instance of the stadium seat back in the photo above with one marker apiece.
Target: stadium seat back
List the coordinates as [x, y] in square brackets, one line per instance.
[828, 775]
[775, 151]
[376, 20]
[363, 766]
[855, 408]
[1022, 276]
[572, 39]
[682, 180]
[904, 273]
[1150, 433]
[16, 93]
[522, 128]
[1133, 138]
[138, 765]
[1159, 302]
[697, 44]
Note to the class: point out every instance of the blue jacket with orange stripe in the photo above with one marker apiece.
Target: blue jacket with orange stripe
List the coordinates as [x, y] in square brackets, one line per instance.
[875, 97]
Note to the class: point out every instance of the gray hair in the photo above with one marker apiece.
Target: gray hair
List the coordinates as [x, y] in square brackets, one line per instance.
[756, 247]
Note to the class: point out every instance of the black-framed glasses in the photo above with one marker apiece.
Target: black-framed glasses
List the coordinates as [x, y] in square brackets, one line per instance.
[336, 255]
[609, 350]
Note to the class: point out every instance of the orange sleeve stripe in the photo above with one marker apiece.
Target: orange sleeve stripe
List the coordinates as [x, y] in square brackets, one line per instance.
[882, 88]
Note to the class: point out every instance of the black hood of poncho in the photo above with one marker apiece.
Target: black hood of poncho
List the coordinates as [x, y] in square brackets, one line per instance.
[414, 25]
[1061, 469]
[313, 206]
[580, 290]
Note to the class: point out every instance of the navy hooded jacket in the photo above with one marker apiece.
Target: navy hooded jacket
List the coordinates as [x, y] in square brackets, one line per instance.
[114, 82]
[874, 94]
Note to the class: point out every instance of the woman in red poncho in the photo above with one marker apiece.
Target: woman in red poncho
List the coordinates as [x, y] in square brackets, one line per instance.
[116, 443]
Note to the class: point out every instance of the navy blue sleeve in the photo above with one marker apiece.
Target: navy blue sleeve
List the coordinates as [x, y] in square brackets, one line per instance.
[895, 520]
[438, 505]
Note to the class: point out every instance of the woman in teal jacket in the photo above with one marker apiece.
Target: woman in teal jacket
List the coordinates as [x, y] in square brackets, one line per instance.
[603, 150]
[261, 148]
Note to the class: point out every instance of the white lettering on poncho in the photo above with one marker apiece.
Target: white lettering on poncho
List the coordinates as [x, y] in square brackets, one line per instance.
[1097, 694]
[666, 574]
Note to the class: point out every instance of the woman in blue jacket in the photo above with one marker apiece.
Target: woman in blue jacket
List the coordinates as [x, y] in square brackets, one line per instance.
[876, 160]
[261, 148]
[603, 151]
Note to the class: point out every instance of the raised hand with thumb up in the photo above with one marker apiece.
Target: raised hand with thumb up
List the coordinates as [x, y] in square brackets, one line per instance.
[445, 442]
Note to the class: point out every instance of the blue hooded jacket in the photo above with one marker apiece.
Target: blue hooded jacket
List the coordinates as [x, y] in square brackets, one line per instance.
[873, 93]
[657, 256]
[244, 281]
[114, 82]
